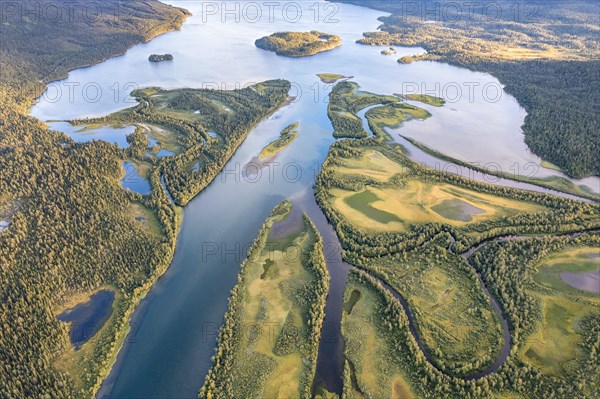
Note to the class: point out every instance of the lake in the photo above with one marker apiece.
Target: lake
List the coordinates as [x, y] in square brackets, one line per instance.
[174, 330]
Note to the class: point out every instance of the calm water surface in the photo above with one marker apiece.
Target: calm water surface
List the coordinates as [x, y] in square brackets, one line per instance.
[174, 330]
[133, 181]
[88, 317]
[82, 134]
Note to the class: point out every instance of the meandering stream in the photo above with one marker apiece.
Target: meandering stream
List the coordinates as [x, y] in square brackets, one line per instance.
[174, 330]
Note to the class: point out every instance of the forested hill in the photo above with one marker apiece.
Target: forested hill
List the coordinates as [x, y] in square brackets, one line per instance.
[42, 40]
[71, 229]
[545, 52]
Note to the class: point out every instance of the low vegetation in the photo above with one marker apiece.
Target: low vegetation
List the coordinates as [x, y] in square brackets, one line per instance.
[298, 44]
[371, 367]
[426, 99]
[268, 344]
[331, 77]
[583, 261]
[286, 137]
[456, 323]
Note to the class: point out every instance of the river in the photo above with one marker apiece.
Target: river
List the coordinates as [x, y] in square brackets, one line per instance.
[174, 329]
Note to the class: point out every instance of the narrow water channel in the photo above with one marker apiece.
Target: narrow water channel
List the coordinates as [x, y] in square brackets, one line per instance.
[431, 161]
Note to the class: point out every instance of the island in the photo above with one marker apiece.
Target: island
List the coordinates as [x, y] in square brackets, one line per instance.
[298, 44]
[408, 59]
[160, 57]
[332, 77]
[389, 51]
[286, 137]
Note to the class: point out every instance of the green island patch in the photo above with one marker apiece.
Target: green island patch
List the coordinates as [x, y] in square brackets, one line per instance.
[427, 99]
[286, 137]
[345, 101]
[298, 44]
[331, 77]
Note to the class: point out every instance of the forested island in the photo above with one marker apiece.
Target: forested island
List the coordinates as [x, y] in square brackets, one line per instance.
[184, 118]
[298, 44]
[160, 57]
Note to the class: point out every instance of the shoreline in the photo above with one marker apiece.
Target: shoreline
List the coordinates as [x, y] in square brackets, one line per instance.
[139, 293]
[173, 26]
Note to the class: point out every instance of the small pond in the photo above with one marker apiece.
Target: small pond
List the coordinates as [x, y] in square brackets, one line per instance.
[164, 153]
[455, 209]
[133, 181]
[88, 317]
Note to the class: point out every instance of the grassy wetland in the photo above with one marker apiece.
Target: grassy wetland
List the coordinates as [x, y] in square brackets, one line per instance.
[556, 345]
[371, 368]
[423, 233]
[268, 344]
[456, 323]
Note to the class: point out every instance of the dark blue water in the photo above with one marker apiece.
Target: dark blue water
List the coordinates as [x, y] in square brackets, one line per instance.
[133, 181]
[87, 318]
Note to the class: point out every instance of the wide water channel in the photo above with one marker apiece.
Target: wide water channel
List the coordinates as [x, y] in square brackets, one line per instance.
[174, 329]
